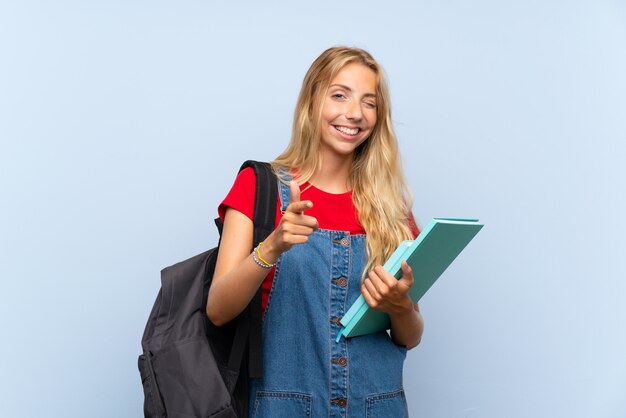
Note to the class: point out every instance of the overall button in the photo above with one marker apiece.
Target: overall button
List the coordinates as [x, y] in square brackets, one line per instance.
[342, 402]
[336, 320]
[342, 281]
[342, 361]
[344, 241]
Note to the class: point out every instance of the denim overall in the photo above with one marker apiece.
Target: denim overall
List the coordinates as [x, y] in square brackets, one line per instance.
[307, 373]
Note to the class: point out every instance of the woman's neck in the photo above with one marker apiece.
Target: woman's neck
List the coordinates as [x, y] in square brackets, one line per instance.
[333, 175]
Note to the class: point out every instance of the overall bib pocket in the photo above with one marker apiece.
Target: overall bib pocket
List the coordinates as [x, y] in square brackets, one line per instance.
[384, 405]
[281, 404]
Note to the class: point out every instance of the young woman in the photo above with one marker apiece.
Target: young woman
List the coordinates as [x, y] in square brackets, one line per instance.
[343, 208]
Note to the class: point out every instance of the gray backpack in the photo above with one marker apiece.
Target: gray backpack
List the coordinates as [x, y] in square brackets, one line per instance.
[190, 367]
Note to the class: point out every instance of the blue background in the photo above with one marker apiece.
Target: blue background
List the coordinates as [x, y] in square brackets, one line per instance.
[122, 124]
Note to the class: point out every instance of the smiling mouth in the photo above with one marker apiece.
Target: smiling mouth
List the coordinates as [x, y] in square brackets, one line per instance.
[347, 131]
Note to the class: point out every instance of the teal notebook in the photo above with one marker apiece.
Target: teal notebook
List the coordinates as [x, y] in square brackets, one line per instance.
[429, 256]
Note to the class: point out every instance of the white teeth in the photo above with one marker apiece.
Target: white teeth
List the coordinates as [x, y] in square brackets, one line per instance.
[347, 131]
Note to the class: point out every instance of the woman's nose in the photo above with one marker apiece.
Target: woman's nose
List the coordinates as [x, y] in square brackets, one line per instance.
[353, 112]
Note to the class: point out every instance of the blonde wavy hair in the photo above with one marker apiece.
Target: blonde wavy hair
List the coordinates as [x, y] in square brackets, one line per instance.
[379, 189]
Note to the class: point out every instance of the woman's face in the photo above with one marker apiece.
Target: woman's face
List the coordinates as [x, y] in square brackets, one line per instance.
[349, 110]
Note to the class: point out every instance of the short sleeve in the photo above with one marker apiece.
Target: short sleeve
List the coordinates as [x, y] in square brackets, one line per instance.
[413, 226]
[241, 195]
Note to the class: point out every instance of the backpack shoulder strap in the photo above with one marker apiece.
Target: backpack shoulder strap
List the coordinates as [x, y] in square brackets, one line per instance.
[249, 323]
[265, 201]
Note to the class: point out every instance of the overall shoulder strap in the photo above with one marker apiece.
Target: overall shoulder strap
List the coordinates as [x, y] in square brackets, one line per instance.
[249, 322]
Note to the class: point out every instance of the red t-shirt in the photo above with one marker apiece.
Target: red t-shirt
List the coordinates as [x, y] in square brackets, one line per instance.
[332, 211]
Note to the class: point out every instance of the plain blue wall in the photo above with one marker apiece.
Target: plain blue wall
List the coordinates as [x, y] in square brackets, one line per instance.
[122, 124]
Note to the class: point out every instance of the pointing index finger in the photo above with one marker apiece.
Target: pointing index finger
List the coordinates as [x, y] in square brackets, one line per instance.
[299, 207]
[295, 191]
[295, 205]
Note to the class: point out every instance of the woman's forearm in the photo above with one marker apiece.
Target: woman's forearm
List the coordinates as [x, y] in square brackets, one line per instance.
[237, 276]
[407, 327]
[231, 293]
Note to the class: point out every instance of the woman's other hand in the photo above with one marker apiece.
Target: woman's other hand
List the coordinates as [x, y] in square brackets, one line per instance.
[384, 292]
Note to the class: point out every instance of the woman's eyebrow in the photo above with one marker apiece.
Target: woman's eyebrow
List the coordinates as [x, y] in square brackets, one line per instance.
[343, 86]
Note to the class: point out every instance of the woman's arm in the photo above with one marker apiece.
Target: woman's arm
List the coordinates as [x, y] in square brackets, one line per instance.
[384, 292]
[237, 276]
[407, 329]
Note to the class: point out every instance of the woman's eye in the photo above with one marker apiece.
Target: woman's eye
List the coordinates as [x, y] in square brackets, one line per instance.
[370, 105]
[338, 96]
